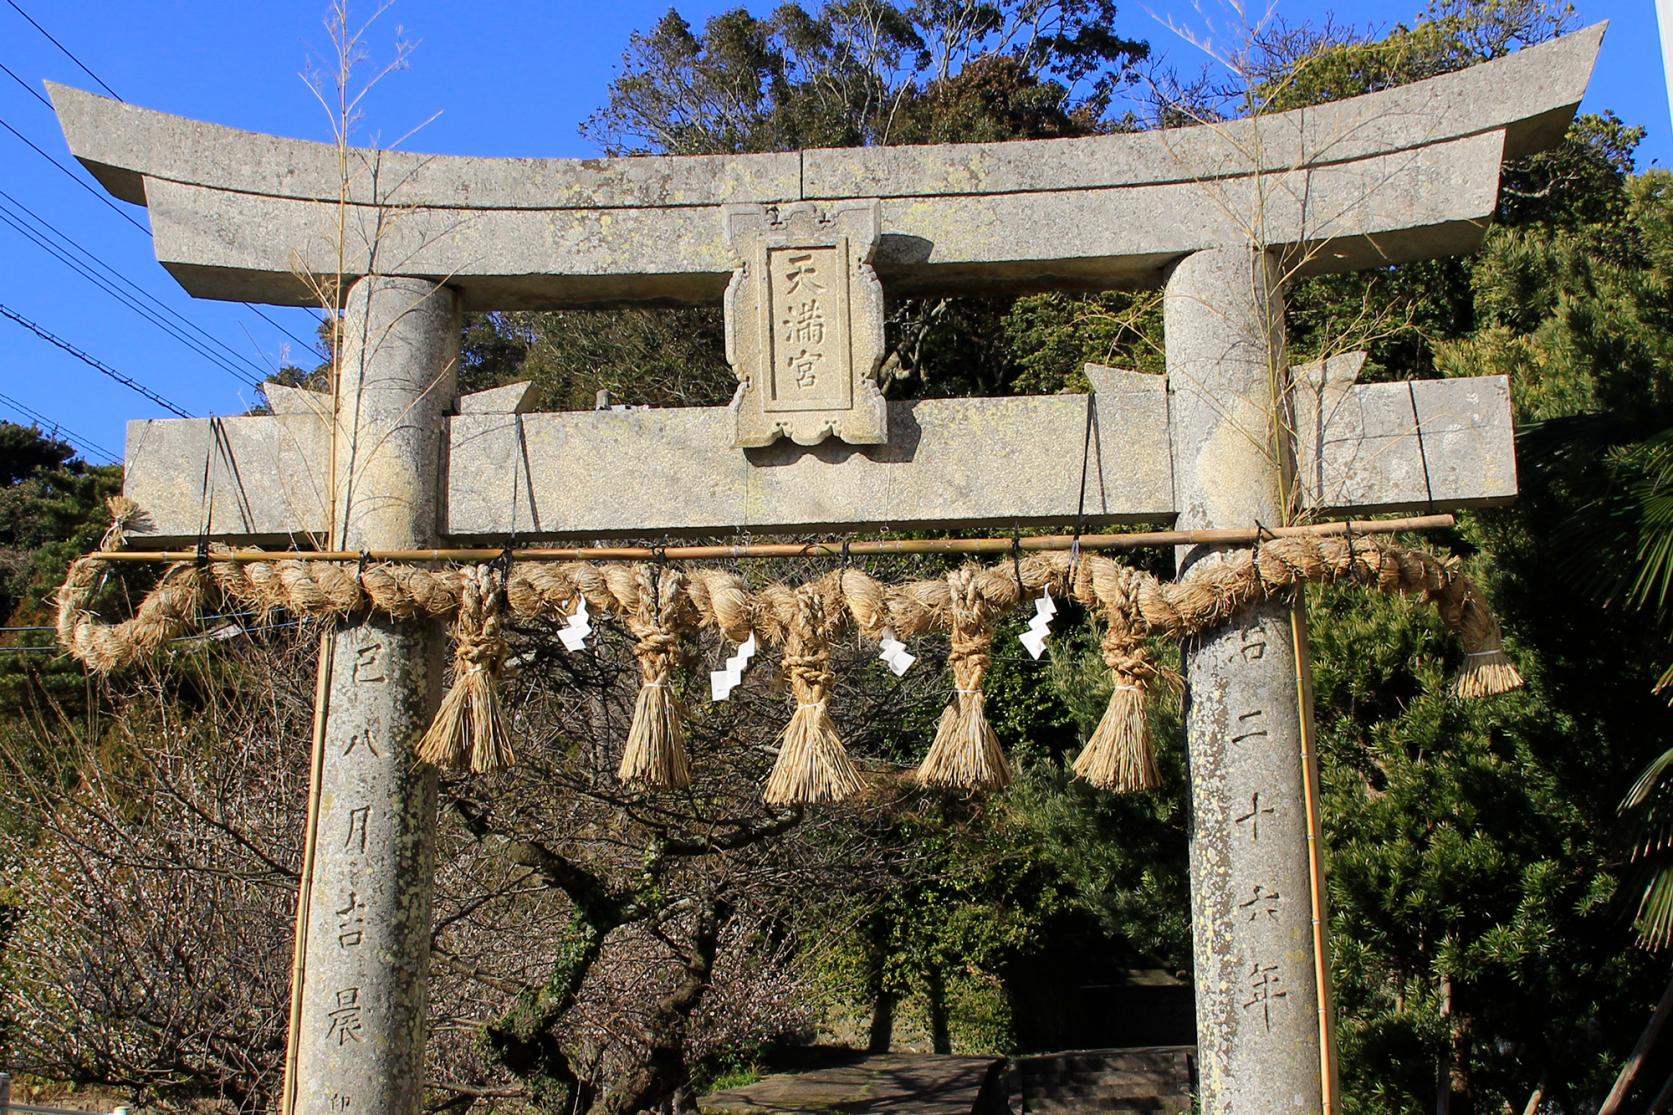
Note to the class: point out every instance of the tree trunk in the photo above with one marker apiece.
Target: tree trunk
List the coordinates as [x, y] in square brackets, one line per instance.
[935, 984]
[663, 1080]
[1646, 1041]
[1443, 1063]
[883, 999]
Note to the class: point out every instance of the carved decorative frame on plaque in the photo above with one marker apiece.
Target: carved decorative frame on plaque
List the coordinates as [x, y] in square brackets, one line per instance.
[804, 323]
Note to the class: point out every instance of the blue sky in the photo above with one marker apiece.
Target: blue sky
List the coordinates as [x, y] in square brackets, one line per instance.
[508, 79]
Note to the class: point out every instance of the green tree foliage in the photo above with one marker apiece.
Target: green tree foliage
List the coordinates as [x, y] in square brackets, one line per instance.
[851, 73]
[51, 511]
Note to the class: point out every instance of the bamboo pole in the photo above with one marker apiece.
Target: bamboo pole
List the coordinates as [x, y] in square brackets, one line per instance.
[1234, 536]
[1314, 806]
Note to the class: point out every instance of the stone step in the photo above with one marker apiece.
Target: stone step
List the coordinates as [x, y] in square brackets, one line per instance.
[1146, 1081]
[1064, 1105]
[1084, 1087]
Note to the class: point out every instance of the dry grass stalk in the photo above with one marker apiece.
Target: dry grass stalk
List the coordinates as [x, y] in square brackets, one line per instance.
[1487, 670]
[966, 754]
[1119, 756]
[655, 756]
[813, 765]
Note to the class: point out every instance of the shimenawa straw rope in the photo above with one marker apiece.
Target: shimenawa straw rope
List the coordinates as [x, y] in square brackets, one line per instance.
[658, 605]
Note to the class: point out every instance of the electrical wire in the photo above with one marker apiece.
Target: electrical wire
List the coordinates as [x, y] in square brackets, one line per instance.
[67, 52]
[13, 212]
[98, 365]
[27, 88]
[58, 428]
[311, 346]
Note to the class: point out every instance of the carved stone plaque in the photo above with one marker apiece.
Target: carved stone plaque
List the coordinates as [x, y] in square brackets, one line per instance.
[804, 323]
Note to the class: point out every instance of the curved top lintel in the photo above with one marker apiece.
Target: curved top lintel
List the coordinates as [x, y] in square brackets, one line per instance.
[1529, 95]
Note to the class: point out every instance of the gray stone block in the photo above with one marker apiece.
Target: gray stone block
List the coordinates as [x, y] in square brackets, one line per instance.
[1401, 174]
[1362, 448]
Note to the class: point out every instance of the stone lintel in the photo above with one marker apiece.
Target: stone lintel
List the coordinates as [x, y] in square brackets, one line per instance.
[1530, 95]
[976, 463]
[1447, 443]
[1424, 202]
[267, 477]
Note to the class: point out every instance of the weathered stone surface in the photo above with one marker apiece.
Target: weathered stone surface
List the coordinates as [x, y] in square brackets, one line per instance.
[804, 324]
[1257, 999]
[1530, 95]
[510, 398]
[266, 476]
[1401, 174]
[1360, 447]
[997, 461]
[123, 144]
[359, 1035]
[1429, 201]
[994, 462]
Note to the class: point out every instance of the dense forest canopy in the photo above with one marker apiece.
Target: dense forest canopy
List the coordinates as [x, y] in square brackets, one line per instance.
[607, 951]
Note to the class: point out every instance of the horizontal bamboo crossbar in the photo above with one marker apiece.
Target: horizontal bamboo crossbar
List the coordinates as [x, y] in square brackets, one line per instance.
[1231, 536]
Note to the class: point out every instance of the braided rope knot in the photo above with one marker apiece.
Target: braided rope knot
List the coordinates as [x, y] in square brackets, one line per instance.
[659, 605]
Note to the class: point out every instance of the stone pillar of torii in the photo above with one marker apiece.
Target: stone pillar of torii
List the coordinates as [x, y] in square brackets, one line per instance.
[802, 248]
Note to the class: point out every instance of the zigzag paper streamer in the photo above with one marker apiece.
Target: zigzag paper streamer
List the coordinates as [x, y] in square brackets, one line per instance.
[1040, 626]
[574, 634]
[722, 682]
[893, 651]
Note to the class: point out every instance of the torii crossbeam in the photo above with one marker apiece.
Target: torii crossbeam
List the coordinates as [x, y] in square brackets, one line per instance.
[803, 247]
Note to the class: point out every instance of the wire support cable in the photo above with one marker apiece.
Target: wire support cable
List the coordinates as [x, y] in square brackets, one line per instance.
[58, 428]
[129, 382]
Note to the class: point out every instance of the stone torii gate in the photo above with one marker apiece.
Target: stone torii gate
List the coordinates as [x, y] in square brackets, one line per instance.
[802, 247]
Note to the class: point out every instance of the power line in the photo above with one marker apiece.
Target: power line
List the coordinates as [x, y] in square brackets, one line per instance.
[126, 381]
[311, 346]
[116, 293]
[67, 52]
[59, 428]
[27, 88]
[168, 327]
[74, 177]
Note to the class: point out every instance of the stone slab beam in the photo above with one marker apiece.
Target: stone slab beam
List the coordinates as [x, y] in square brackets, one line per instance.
[1394, 446]
[993, 463]
[1406, 173]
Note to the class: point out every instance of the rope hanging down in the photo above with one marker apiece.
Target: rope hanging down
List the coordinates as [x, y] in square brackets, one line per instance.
[660, 605]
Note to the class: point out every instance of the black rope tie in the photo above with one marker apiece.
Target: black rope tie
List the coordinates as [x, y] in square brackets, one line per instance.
[659, 554]
[1080, 503]
[206, 495]
[1016, 565]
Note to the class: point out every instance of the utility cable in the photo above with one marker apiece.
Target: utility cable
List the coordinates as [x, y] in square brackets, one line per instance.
[20, 211]
[126, 381]
[311, 346]
[115, 292]
[27, 88]
[58, 428]
[67, 52]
